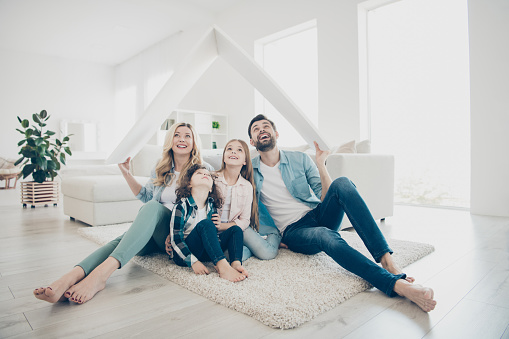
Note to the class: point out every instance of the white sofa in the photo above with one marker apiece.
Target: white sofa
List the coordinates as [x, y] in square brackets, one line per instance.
[99, 195]
[373, 174]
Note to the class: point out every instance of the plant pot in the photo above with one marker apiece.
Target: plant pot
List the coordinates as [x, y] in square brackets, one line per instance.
[34, 193]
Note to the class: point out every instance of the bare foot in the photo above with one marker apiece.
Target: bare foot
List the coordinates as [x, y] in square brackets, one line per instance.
[229, 273]
[87, 288]
[238, 266]
[55, 292]
[390, 266]
[422, 296]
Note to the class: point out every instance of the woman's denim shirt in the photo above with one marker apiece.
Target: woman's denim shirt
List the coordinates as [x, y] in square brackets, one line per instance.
[151, 192]
[300, 176]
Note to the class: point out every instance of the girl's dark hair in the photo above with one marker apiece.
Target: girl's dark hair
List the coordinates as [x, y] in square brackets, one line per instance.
[184, 190]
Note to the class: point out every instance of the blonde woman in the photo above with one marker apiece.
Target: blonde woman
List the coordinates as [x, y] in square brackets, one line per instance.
[149, 231]
[235, 181]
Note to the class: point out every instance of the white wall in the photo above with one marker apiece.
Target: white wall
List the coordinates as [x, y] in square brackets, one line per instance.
[67, 89]
[222, 90]
[489, 100]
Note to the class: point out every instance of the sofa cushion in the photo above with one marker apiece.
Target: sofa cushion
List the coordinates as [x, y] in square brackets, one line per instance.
[348, 147]
[88, 170]
[363, 146]
[100, 188]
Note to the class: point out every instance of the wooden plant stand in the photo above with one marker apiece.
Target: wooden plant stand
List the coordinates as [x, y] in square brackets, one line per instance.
[34, 193]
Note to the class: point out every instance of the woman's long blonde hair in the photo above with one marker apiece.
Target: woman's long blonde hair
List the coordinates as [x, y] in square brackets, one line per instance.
[163, 168]
[248, 174]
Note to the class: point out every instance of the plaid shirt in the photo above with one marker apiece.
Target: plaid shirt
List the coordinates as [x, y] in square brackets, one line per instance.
[182, 212]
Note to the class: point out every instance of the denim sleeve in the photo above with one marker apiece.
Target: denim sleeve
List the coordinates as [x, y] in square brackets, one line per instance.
[312, 175]
[177, 225]
[147, 191]
[264, 216]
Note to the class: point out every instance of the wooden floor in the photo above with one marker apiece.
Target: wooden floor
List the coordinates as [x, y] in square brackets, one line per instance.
[469, 272]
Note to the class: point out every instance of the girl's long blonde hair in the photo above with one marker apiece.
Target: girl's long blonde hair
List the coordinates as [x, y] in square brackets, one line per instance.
[163, 168]
[248, 174]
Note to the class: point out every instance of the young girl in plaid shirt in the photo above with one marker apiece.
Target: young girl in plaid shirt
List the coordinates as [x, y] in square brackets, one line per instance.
[194, 236]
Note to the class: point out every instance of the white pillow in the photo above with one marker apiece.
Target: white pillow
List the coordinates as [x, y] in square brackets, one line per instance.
[363, 146]
[7, 163]
[348, 147]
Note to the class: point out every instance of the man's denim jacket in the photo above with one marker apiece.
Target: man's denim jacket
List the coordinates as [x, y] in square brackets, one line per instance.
[300, 176]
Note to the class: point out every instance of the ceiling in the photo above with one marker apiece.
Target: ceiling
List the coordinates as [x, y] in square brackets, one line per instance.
[102, 31]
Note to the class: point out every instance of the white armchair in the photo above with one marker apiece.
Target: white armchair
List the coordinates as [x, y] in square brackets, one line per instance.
[373, 174]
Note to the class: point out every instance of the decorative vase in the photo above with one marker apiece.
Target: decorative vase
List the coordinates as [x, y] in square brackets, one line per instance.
[34, 193]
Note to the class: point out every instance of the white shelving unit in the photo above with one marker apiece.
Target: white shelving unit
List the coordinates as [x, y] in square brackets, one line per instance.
[202, 123]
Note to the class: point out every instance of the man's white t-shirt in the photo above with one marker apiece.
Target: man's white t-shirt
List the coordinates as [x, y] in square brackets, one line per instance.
[282, 206]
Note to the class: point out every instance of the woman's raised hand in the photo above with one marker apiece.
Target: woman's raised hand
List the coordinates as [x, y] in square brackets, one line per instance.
[124, 167]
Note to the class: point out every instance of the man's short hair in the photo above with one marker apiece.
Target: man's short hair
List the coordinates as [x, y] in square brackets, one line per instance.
[258, 118]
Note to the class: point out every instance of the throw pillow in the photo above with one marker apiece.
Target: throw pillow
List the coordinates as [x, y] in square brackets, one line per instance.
[348, 147]
[363, 146]
[7, 163]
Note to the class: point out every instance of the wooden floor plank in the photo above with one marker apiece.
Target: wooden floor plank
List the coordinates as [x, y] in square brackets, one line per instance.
[494, 288]
[5, 293]
[14, 325]
[472, 319]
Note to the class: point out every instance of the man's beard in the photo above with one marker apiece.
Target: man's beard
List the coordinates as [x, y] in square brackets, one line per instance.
[267, 146]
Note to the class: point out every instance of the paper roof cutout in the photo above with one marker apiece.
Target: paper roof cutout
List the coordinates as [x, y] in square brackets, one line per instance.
[215, 43]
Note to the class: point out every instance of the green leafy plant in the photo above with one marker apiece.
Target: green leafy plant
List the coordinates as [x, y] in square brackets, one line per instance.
[215, 124]
[40, 155]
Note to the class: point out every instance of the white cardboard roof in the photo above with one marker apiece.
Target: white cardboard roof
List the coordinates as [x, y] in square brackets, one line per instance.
[214, 43]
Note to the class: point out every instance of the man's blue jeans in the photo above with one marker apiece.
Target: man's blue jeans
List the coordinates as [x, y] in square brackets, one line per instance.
[264, 249]
[318, 231]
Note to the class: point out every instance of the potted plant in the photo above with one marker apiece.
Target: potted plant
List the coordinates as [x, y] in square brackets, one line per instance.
[215, 126]
[40, 157]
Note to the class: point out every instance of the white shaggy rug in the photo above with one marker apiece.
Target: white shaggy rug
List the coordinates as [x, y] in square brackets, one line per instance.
[281, 293]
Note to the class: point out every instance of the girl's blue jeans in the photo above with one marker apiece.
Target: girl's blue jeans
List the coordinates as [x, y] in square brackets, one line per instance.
[206, 245]
[318, 231]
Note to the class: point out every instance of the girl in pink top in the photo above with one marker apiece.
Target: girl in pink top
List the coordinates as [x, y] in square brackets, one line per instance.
[236, 184]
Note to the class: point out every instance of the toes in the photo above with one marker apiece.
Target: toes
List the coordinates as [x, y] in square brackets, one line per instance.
[48, 291]
[73, 296]
[39, 291]
[69, 292]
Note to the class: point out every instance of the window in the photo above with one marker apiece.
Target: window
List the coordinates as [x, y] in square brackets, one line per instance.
[418, 97]
[291, 59]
